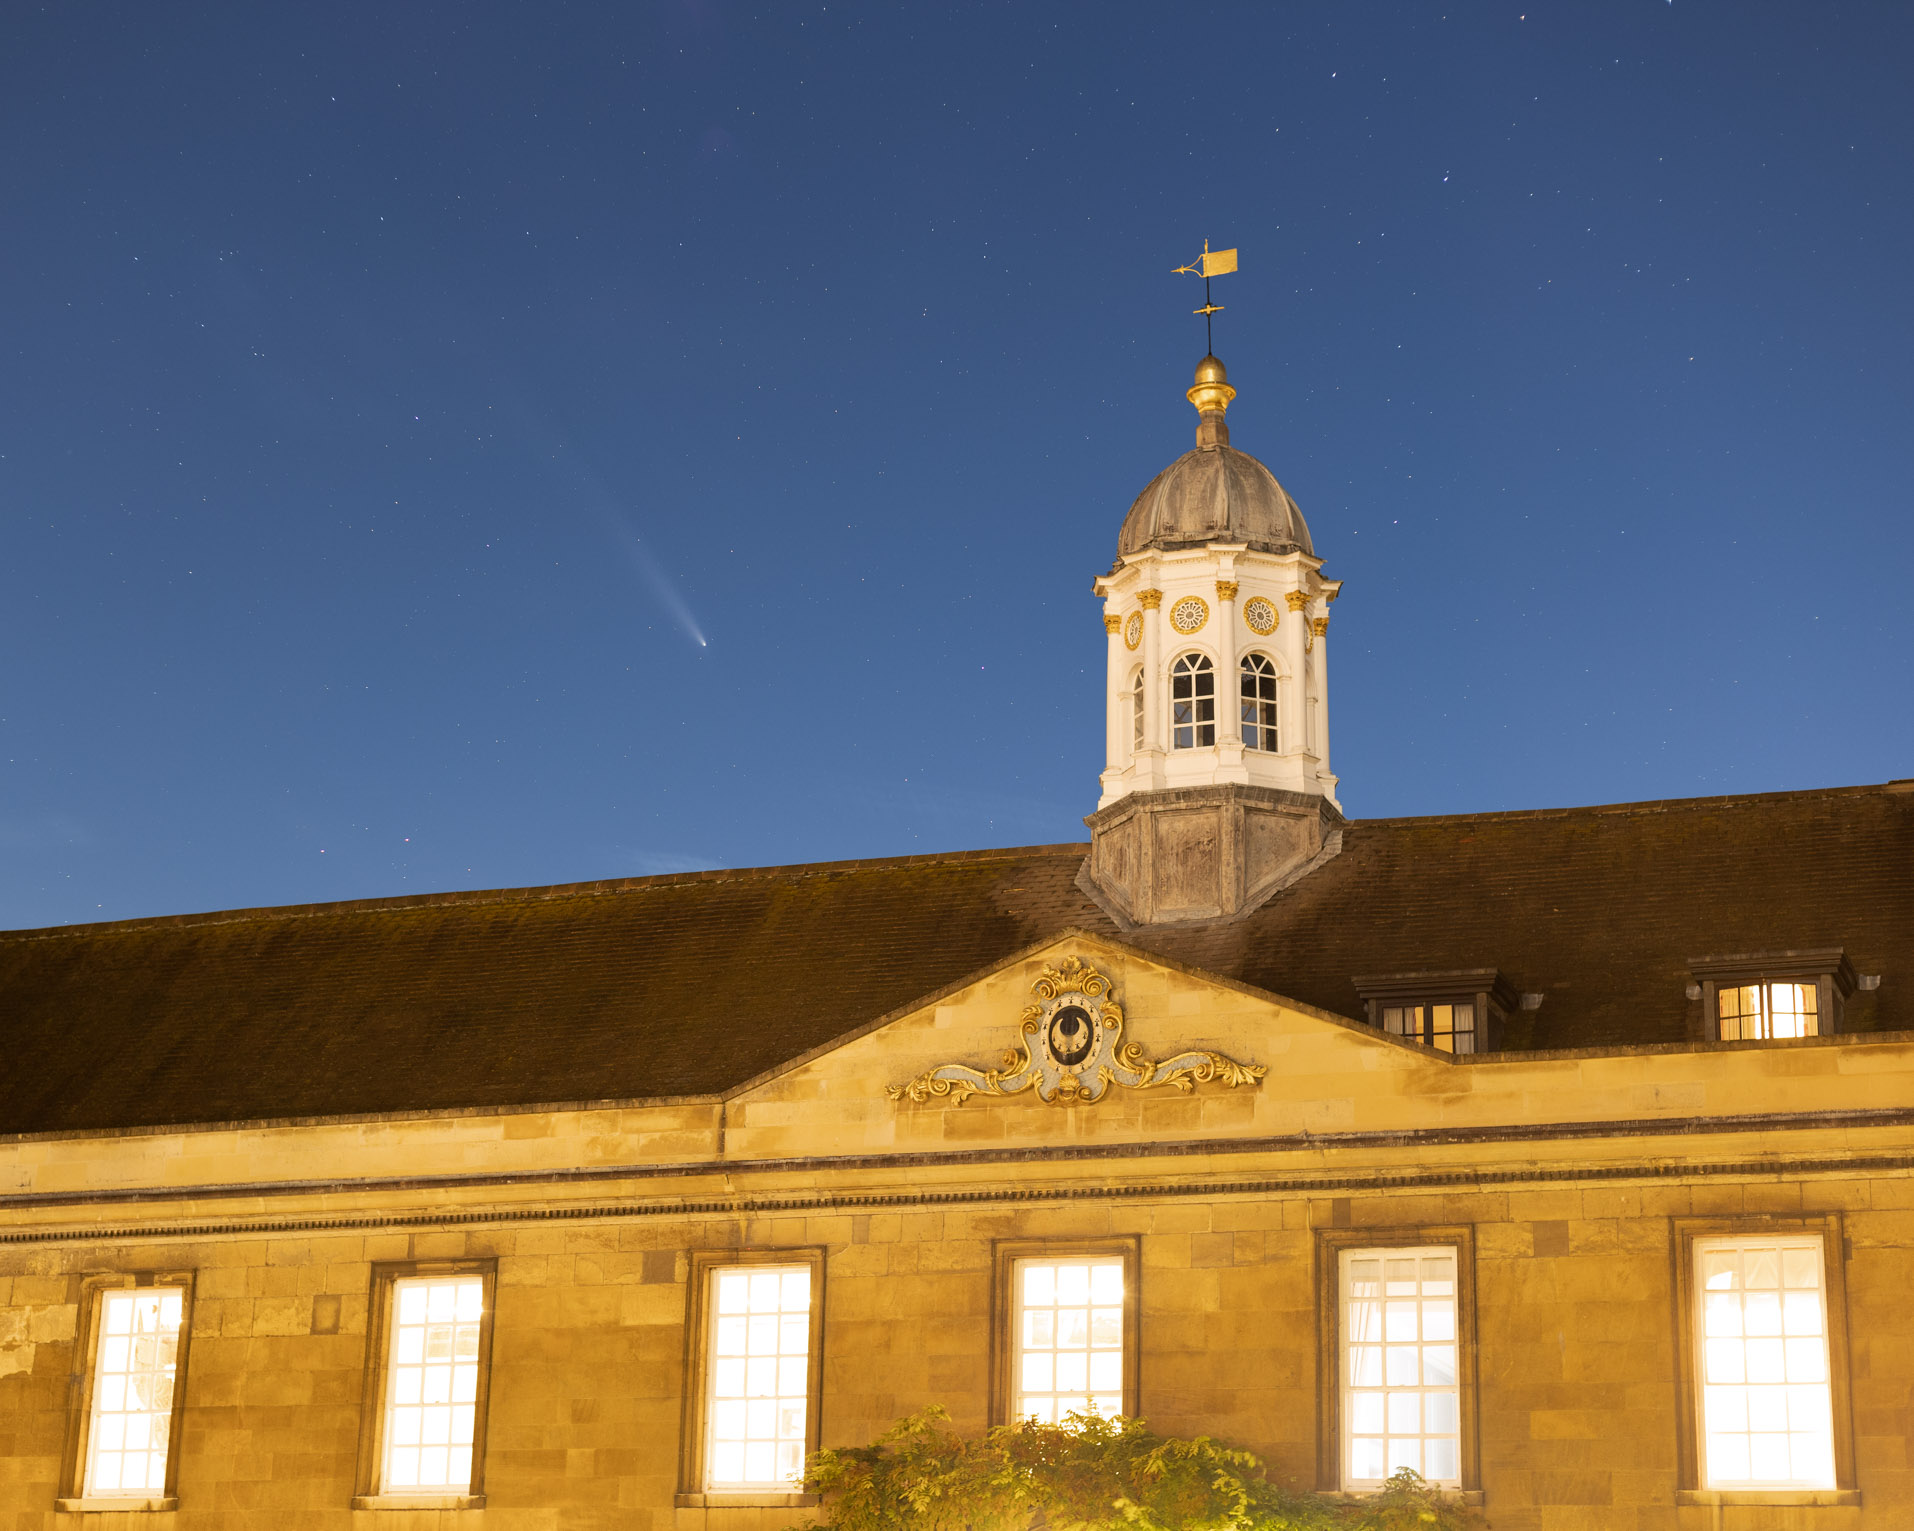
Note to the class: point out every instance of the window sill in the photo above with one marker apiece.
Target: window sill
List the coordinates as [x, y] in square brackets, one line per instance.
[1843, 1497]
[94, 1505]
[1474, 1498]
[764, 1499]
[418, 1501]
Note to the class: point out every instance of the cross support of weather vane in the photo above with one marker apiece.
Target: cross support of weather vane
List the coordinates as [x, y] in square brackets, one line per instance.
[1210, 263]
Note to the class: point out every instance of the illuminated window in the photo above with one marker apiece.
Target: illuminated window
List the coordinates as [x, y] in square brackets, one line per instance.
[759, 1374]
[1069, 1338]
[1064, 1329]
[1448, 1027]
[432, 1389]
[1400, 1366]
[1462, 1010]
[1259, 704]
[751, 1403]
[123, 1415]
[1762, 1011]
[1766, 1408]
[136, 1365]
[1772, 996]
[1136, 712]
[423, 1440]
[1192, 702]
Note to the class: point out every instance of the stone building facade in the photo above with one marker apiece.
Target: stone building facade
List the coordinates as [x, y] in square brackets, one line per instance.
[1567, 1156]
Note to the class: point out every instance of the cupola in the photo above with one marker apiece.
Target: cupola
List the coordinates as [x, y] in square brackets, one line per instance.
[1216, 787]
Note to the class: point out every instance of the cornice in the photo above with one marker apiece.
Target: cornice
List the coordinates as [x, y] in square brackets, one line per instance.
[1765, 1167]
[1763, 1124]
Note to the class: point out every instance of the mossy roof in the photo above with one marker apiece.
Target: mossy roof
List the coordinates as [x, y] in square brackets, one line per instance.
[692, 985]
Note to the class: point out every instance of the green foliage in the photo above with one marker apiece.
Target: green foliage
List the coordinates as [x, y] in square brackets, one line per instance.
[1090, 1475]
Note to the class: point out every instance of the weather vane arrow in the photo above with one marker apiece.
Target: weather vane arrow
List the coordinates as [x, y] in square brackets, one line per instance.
[1210, 263]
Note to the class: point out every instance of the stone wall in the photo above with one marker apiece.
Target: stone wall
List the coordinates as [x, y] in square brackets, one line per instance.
[1577, 1398]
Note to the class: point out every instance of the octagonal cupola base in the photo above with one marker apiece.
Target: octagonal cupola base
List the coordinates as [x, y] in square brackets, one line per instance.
[1204, 853]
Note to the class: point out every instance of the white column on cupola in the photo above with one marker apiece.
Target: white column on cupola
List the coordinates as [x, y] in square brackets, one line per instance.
[1156, 721]
[1294, 628]
[1319, 631]
[1229, 706]
[1319, 665]
[1116, 747]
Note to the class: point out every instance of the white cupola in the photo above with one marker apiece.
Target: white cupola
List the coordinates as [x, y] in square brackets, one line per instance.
[1217, 697]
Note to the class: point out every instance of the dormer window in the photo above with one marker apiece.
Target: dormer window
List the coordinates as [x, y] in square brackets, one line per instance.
[1760, 1012]
[1772, 996]
[1447, 1012]
[1448, 1027]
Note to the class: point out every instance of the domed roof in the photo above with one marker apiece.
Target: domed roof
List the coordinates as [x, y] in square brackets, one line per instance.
[1215, 494]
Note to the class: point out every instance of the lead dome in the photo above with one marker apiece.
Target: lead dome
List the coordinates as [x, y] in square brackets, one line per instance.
[1214, 493]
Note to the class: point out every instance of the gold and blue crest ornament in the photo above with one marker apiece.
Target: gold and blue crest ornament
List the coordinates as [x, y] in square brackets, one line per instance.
[1070, 1051]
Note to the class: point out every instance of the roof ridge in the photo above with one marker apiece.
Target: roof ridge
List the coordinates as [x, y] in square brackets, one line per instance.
[1644, 806]
[480, 897]
[552, 892]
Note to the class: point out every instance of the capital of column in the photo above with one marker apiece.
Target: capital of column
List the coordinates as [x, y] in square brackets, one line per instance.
[1226, 589]
[1112, 624]
[1298, 600]
[1149, 600]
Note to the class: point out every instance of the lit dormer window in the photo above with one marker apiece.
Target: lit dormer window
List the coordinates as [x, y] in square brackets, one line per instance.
[1192, 702]
[1448, 1027]
[1760, 1012]
[1772, 996]
[1447, 1012]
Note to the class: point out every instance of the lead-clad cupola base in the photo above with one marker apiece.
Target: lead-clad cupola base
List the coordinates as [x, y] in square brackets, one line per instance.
[1217, 789]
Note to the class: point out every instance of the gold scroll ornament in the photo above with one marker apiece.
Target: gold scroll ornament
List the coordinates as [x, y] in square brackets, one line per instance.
[1058, 1075]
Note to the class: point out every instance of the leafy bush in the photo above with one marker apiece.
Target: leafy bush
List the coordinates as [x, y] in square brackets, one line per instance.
[1090, 1475]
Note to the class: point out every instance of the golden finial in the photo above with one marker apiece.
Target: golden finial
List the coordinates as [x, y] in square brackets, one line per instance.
[1211, 396]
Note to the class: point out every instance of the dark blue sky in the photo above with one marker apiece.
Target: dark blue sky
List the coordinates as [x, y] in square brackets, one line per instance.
[473, 446]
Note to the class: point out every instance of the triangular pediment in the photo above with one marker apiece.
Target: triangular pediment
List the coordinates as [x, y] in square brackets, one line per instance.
[1082, 1038]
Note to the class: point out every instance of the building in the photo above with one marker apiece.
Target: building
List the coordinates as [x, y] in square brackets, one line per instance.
[1565, 1156]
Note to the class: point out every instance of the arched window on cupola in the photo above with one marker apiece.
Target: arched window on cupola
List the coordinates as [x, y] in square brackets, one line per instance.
[1259, 704]
[1192, 702]
[1136, 712]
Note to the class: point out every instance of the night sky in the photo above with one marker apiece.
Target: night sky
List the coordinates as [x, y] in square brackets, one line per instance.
[478, 446]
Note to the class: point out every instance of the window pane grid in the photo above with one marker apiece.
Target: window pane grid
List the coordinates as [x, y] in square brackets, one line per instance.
[1069, 1339]
[432, 1386]
[1761, 1012]
[1766, 1407]
[132, 1415]
[1401, 1391]
[1259, 704]
[1136, 712]
[1192, 702]
[760, 1371]
[1448, 1028]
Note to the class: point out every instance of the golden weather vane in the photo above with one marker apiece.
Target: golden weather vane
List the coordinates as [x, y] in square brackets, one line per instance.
[1210, 263]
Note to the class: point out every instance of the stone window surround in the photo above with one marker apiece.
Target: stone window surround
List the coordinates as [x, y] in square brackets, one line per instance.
[1330, 1244]
[692, 1493]
[369, 1491]
[1827, 1227]
[1827, 968]
[1004, 1258]
[73, 1458]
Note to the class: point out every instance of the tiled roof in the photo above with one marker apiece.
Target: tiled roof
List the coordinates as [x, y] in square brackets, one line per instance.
[690, 985]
